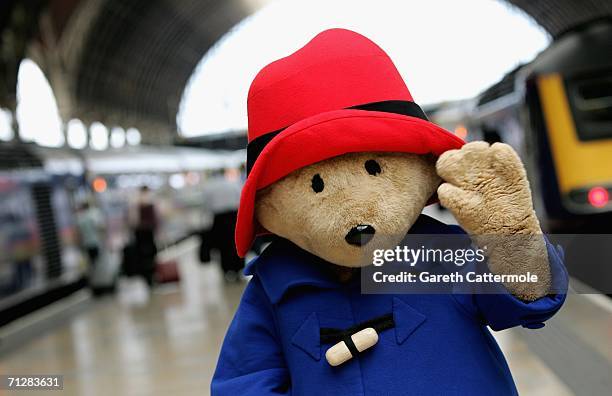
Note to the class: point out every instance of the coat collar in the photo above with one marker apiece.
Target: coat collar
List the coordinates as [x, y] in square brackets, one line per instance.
[284, 265]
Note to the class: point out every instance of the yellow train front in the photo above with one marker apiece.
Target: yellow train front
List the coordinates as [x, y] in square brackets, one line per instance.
[568, 112]
[556, 112]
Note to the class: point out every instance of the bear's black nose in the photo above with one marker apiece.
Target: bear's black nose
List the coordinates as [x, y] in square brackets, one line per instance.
[360, 235]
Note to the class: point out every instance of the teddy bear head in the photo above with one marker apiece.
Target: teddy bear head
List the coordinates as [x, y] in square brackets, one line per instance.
[341, 208]
[340, 158]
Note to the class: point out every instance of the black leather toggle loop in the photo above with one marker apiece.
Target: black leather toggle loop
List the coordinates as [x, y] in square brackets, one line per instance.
[351, 345]
[333, 336]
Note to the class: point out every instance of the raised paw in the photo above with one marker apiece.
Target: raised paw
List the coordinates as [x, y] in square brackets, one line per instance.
[486, 188]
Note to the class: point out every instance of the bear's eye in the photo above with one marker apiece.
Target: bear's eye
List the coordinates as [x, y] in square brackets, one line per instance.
[372, 167]
[317, 183]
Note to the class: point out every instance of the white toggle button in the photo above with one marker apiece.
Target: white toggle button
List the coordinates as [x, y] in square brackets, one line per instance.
[340, 353]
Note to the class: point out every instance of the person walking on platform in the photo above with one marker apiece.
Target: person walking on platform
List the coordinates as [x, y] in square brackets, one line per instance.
[221, 198]
[90, 226]
[143, 217]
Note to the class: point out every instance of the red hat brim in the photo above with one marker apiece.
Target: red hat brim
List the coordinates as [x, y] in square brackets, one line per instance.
[328, 135]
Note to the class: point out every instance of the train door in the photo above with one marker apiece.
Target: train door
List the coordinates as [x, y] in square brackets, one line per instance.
[47, 226]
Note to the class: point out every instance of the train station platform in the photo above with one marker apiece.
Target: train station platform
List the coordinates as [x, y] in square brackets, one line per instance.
[166, 342]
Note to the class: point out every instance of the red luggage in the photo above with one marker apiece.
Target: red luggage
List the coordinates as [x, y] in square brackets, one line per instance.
[167, 272]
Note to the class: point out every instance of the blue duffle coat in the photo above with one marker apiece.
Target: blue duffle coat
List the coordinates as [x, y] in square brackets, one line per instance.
[440, 345]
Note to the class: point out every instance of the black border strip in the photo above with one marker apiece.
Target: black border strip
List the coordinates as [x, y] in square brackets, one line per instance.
[403, 107]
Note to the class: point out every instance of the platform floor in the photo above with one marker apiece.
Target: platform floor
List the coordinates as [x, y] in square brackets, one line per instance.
[166, 343]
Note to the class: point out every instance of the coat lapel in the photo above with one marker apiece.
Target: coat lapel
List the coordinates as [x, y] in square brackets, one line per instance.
[407, 320]
[307, 338]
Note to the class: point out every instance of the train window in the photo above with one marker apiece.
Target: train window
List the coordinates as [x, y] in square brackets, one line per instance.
[591, 102]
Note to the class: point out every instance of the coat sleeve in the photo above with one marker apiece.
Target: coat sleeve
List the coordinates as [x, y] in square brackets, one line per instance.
[500, 310]
[251, 360]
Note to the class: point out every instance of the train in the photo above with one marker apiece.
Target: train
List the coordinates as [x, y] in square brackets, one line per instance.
[42, 188]
[556, 112]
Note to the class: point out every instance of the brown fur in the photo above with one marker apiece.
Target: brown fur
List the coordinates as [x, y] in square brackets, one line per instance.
[318, 222]
[486, 189]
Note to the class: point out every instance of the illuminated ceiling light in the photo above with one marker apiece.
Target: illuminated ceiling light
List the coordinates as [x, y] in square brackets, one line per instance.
[117, 137]
[461, 131]
[76, 134]
[99, 136]
[6, 125]
[99, 185]
[177, 181]
[133, 136]
[37, 112]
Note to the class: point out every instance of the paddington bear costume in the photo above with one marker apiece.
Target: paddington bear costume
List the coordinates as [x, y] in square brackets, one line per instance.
[338, 94]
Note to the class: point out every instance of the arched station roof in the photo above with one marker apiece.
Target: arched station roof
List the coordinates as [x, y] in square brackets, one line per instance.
[127, 62]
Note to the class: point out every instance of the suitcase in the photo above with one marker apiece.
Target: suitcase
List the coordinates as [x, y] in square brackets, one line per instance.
[167, 272]
[104, 274]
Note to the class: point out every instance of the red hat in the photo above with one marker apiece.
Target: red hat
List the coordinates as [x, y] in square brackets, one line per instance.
[340, 93]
